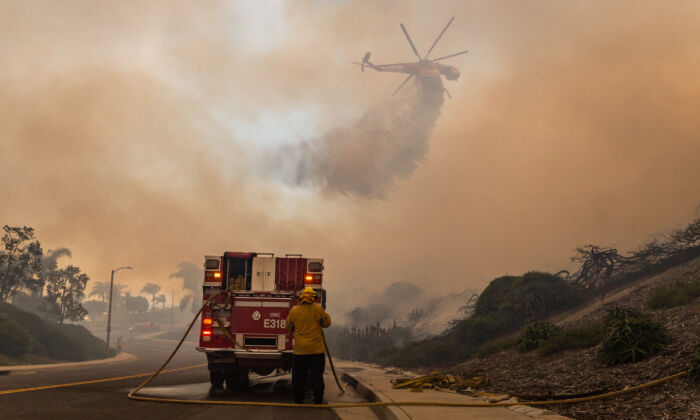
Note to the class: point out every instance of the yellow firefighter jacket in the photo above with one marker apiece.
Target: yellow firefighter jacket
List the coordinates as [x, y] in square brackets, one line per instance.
[306, 320]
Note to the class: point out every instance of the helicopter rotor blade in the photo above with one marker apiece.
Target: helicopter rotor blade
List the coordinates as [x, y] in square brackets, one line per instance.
[402, 84]
[403, 28]
[451, 55]
[393, 64]
[439, 36]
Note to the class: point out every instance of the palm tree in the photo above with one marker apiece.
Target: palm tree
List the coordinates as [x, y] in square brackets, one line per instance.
[119, 294]
[161, 299]
[100, 289]
[191, 275]
[185, 302]
[152, 289]
[118, 287]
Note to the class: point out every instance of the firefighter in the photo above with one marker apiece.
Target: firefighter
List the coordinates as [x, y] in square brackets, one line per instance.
[305, 321]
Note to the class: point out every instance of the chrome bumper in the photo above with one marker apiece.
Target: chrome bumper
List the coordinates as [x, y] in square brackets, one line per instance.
[248, 354]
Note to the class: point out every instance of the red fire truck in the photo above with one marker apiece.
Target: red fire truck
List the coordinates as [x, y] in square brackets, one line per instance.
[243, 327]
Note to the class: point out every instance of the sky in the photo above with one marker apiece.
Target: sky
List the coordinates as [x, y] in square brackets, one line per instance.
[156, 134]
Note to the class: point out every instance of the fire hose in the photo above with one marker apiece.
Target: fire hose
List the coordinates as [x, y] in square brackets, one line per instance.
[132, 395]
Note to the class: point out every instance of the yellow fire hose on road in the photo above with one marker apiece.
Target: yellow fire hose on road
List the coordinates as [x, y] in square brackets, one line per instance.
[132, 395]
[330, 360]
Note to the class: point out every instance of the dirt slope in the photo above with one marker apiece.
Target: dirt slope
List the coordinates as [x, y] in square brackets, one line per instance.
[633, 293]
[528, 375]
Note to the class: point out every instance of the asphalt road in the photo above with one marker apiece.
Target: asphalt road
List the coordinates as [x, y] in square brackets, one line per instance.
[108, 400]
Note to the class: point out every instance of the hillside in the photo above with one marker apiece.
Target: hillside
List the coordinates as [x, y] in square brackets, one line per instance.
[506, 305]
[28, 338]
[576, 371]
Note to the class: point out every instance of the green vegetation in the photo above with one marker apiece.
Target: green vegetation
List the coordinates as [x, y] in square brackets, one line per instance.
[497, 345]
[26, 270]
[694, 369]
[65, 289]
[582, 336]
[507, 304]
[26, 336]
[535, 333]
[14, 341]
[20, 261]
[676, 294]
[631, 336]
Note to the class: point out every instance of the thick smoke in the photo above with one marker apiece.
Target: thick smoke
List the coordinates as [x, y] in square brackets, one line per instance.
[408, 305]
[385, 145]
[570, 124]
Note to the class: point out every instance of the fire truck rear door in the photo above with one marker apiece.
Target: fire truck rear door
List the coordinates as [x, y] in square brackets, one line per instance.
[263, 274]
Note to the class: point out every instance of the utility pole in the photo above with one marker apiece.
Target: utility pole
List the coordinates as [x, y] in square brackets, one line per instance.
[172, 310]
[109, 311]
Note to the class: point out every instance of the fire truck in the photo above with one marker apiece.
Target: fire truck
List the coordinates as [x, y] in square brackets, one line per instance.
[243, 325]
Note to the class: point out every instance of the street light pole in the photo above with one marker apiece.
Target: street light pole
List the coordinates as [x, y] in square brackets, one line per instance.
[109, 311]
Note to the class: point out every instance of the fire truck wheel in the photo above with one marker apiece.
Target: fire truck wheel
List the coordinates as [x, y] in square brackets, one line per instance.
[237, 380]
[217, 383]
[243, 381]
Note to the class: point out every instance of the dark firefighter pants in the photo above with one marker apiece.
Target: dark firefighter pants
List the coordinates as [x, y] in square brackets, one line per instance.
[301, 365]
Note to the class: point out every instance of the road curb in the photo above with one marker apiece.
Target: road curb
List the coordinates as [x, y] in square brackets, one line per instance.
[366, 392]
[123, 357]
[390, 413]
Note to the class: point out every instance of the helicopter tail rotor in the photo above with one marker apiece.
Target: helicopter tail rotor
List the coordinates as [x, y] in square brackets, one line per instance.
[365, 60]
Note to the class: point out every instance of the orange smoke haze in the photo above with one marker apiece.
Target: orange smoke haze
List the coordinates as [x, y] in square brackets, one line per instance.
[122, 134]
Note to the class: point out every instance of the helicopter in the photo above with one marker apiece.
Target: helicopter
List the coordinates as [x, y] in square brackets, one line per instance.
[425, 69]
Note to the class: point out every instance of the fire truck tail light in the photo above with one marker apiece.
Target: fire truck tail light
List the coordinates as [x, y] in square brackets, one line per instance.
[207, 321]
[206, 335]
[309, 279]
[217, 275]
